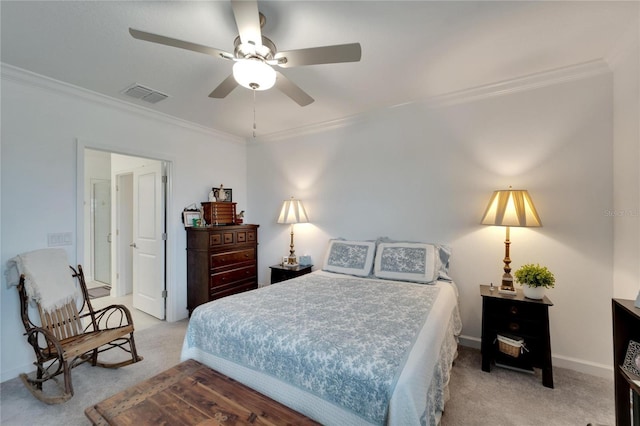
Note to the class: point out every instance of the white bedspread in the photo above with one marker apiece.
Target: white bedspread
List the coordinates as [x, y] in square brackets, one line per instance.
[337, 348]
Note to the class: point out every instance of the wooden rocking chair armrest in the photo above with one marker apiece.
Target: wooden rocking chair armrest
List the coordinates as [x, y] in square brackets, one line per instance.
[52, 347]
[112, 316]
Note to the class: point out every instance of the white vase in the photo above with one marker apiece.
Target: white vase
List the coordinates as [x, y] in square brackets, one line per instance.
[536, 293]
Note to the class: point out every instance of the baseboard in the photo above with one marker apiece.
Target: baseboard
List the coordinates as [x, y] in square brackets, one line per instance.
[15, 372]
[561, 361]
[469, 342]
[582, 366]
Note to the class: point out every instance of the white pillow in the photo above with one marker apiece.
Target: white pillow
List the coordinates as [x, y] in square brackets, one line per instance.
[350, 257]
[415, 262]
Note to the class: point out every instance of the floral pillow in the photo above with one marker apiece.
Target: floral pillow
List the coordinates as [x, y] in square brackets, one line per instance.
[415, 262]
[350, 257]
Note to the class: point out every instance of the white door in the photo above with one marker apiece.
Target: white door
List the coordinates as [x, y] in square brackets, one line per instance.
[124, 234]
[148, 242]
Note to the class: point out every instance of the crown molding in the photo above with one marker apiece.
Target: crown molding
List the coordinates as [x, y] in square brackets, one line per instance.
[506, 87]
[314, 128]
[522, 84]
[28, 78]
[628, 44]
[502, 88]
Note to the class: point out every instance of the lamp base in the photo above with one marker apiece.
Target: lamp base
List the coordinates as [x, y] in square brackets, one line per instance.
[291, 261]
[507, 285]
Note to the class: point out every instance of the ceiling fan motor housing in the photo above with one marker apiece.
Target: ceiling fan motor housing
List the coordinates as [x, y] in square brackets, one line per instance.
[248, 50]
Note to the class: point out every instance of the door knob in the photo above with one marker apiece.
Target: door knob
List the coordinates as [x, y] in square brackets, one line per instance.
[109, 237]
[133, 245]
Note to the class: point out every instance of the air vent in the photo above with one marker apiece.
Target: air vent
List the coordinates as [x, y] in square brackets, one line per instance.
[144, 93]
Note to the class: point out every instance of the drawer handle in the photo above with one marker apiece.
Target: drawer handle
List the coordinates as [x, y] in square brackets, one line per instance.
[514, 326]
[246, 255]
[513, 310]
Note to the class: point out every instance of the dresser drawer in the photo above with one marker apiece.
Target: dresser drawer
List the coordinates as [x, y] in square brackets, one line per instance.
[232, 276]
[248, 236]
[520, 327]
[512, 309]
[221, 238]
[219, 260]
[218, 292]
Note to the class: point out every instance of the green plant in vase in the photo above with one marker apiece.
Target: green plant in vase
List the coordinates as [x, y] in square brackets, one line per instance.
[534, 279]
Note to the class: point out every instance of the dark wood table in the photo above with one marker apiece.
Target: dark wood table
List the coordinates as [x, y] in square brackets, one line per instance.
[192, 394]
[281, 273]
[522, 317]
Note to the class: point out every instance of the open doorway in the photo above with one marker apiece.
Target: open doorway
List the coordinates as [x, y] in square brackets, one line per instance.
[101, 231]
[131, 231]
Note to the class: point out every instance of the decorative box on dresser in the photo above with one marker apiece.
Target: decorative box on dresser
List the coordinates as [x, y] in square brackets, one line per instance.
[221, 261]
[626, 327]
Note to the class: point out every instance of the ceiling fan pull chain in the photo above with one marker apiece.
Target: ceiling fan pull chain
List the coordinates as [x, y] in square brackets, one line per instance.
[254, 113]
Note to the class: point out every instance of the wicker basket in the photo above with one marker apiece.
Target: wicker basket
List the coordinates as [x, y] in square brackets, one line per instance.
[510, 345]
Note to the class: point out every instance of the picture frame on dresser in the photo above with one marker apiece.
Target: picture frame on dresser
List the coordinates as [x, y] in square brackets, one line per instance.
[631, 364]
[228, 192]
[188, 216]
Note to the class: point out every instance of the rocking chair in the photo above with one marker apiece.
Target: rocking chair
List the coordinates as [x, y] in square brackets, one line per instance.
[68, 337]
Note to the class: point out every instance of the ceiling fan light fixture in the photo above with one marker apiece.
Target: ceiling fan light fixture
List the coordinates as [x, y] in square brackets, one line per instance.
[254, 73]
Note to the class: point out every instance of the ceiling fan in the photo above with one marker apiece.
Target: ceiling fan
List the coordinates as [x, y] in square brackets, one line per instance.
[256, 56]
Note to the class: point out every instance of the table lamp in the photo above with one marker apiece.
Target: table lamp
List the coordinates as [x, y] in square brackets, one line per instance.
[292, 212]
[511, 207]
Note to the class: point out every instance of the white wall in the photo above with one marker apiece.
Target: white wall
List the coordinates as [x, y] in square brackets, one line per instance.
[424, 172]
[41, 122]
[625, 61]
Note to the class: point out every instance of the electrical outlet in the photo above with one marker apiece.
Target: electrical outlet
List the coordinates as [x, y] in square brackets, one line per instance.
[59, 239]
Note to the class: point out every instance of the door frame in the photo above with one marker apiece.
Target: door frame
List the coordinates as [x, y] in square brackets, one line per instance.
[172, 313]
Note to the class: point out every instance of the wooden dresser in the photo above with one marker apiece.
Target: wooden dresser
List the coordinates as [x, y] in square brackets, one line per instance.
[221, 260]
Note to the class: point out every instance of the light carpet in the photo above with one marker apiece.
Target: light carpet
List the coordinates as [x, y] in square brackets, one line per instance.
[502, 397]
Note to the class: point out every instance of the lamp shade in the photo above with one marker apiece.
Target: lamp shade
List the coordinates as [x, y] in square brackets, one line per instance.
[511, 207]
[254, 74]
[293, 212]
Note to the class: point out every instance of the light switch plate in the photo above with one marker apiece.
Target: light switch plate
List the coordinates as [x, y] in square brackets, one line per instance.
[59, 239]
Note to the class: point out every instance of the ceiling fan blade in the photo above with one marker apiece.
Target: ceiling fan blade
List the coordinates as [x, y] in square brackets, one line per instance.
[351, 52]
[168, 41]
[287, 87]
[224, 88]
[248, 21]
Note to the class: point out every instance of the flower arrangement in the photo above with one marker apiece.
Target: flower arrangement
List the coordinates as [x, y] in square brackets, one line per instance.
[535, 276]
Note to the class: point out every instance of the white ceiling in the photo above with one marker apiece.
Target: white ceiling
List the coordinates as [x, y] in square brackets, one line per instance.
[410, 51]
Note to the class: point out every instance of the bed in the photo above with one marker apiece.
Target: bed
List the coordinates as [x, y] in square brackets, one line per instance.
[356, 343]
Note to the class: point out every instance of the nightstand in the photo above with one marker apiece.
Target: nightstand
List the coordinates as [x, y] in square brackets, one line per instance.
[521, 317]
[283, 273]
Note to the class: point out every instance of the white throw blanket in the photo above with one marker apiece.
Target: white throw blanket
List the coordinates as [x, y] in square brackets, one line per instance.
[48, 278]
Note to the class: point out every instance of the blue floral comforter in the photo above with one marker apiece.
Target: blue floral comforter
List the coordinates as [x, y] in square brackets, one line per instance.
[345, 340]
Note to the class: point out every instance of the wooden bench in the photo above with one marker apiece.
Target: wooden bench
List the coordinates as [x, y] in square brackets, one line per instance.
[192, 394]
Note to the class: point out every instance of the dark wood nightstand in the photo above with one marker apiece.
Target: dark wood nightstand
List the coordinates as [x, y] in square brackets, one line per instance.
[521, 317]
[283, 273]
